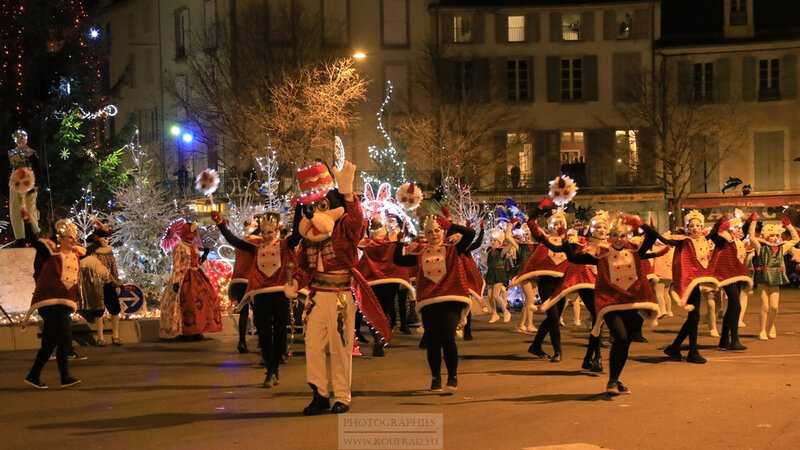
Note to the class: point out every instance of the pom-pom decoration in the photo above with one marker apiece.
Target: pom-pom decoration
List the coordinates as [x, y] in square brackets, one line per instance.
[207, 182]
[171, 236]
[409, 195]
[22, 180]
[562, 190]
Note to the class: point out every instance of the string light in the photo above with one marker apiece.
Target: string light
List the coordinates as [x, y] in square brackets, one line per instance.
[388, 169]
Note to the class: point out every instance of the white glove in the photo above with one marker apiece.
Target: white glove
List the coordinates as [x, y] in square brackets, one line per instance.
[290, 289]
[345, 177]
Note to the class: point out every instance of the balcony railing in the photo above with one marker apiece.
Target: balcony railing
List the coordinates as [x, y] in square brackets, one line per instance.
[516, 34]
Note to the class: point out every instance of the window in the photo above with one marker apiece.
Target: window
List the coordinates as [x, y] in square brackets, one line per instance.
[147, 20]
[148, 65]
[181, 32]
[519, 159]
[572, 150]
[768, 79]
[462, 29]
[182, 92]
[517, 79]
[703, 82]
[334, 14]
[770, 160]
[395, 22]
[571, 76]
[626, 163]
[398, 75]
[463, 79]
[210, 22]
[571, 27]
[738, 12]
[623, 25]
[131, 70]
[516, 28]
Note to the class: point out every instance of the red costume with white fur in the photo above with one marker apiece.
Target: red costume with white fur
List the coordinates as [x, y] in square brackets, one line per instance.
[544, 262]
[728, 262]
[377, 267]
[441, 277]
[691, 267]
[268, 272]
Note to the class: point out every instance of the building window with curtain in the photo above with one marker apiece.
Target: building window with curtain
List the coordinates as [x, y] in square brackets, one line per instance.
[571, 79]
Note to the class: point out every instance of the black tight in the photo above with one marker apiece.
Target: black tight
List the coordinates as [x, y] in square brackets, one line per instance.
[622, 325]
[689, 327]
[386, 294]
[730, 323]
[236, 293]
[56, 334]
[440, 321]
[402, 307]
[547, 285]
[593, 349]
[270, 314]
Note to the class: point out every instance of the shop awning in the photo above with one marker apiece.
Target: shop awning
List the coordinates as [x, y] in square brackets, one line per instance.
[739, 201]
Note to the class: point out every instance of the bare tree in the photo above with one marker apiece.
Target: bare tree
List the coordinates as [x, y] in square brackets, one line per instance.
[692, 135]
[453, 123]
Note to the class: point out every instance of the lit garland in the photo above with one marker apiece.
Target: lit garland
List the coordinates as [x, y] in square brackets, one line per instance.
[388, 169]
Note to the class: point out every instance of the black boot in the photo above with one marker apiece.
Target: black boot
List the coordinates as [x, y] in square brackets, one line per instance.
[319, 404]
[673, 352]
[377, 349]
[694, 357]
[537, 351]
[242, 347]
[339, 408]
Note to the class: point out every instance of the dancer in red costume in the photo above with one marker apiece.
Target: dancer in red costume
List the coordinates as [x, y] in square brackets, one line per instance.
[242, 265]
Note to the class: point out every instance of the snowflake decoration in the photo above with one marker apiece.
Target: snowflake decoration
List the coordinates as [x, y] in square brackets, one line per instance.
[65, 153]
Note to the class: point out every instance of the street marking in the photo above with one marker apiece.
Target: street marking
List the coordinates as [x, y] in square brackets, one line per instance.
[736, 358]
[575, 446]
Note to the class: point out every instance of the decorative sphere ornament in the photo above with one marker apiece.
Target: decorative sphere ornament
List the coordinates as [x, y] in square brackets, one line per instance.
[207, 182]
[409, 195]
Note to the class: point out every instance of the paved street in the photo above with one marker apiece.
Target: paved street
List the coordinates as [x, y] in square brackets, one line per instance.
[204, 395]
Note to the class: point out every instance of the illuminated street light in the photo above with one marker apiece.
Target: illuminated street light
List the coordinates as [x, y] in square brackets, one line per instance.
[175, 130]
[187, 137]
[94, 33]
[359, 55]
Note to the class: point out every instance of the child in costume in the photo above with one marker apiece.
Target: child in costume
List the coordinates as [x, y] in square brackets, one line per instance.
[56, 271]
[100, 284]
[272, 259]
[443, 294]
[242, 265]
[771, 271]
[519, 239]
[22, 195]
[497, 274]
[189, 306]
[662, 266]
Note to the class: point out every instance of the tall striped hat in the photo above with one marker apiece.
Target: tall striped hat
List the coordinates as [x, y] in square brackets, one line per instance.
[315, 181]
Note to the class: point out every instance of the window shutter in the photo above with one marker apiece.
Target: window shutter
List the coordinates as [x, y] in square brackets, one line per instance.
[788, 75]
[648, 161]
[501, 160]
[722, 80]
[531, 85]
[532, 27]
[501, 79]
[600, 157]
[482, 80]
[553, 79]
[501, 28]
[609, 25]
[590, 91]
[556, 33]
[640, 24]
[587, 26]
[553, 152]
[479, 28]
[685, 82]
[447, 29]
[447, 68]
[749, 79]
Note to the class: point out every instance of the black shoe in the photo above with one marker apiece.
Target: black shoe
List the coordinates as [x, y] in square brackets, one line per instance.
[468, 337]
[339, 408]
[695, 358]
[67, 382]
[360, 338]
[405, 330]
[640, 338]
[284, 358]
[674, 353]
[270, 380]
[622, 389]
[736, 345]
[538, 352]
[76, 357]
[452, 384]
[436, 384]
[597, 366]
[262, 363]
[612, 387]
[198, 337]
[35, 382]
[377, 349]
[423, 343]
[319, 404]
[242, 347]
[556, 357]
[588, 364]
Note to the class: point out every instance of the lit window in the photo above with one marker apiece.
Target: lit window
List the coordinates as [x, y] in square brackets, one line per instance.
[519, 158]
[516, 28]
[703, 82]
[623, 25]
[462, 29]
[572, 147]
[571, 27]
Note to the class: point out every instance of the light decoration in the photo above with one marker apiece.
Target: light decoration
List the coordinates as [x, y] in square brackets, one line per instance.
[94, 33]
[339, 154]
[64, 153]
[270, 187]
[388, 169]
[83, 214]
[562, 190]
[384, 205]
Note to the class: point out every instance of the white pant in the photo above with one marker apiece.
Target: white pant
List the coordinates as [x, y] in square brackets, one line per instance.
[321, 331]
[15, 203]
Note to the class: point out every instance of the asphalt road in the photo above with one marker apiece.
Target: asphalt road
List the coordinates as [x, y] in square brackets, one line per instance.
[205, 395]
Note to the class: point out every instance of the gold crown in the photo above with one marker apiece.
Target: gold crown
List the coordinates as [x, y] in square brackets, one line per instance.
[693, 214]
[65, 228]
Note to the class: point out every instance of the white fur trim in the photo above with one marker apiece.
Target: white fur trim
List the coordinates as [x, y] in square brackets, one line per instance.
[574, 288]
[535, 274]
[49, 302]
[238, 280]
[709, 282]
[743, 278]
[649, 311]
[447, 298]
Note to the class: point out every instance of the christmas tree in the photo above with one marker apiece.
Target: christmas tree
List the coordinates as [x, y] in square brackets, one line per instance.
[386, 166]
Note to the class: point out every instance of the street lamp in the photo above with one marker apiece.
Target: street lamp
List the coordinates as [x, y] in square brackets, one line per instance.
[359, 55]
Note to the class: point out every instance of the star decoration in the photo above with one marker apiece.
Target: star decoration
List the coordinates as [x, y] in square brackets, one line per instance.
[65, 153]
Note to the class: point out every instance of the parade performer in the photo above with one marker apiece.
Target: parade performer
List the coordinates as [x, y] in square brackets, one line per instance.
[384, 277]
[497, 274]
[662, 265]
[771, 271]
[242, 265]
[518, 237]
[547, 268]
[56, 272]
[394, 230]
[691, 270]
[22, 193]
[474, 279]
[331, 224]
[730, 267]
[100, 284]
[443, 293]
[581, 279]
[189, 306]
[270, 259]
[622, 291]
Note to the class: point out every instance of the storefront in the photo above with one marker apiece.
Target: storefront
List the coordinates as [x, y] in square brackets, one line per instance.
[770, 206]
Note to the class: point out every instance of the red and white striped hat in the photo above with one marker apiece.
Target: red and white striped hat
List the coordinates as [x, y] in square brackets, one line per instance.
[315, 181]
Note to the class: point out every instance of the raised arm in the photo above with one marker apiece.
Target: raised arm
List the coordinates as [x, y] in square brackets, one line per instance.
[677, 243]
[713, 235]
[793, 232]
[467, 236]
[237, 243]
[578, 258]
[478, 241]
[400, 259]
[509, 235]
